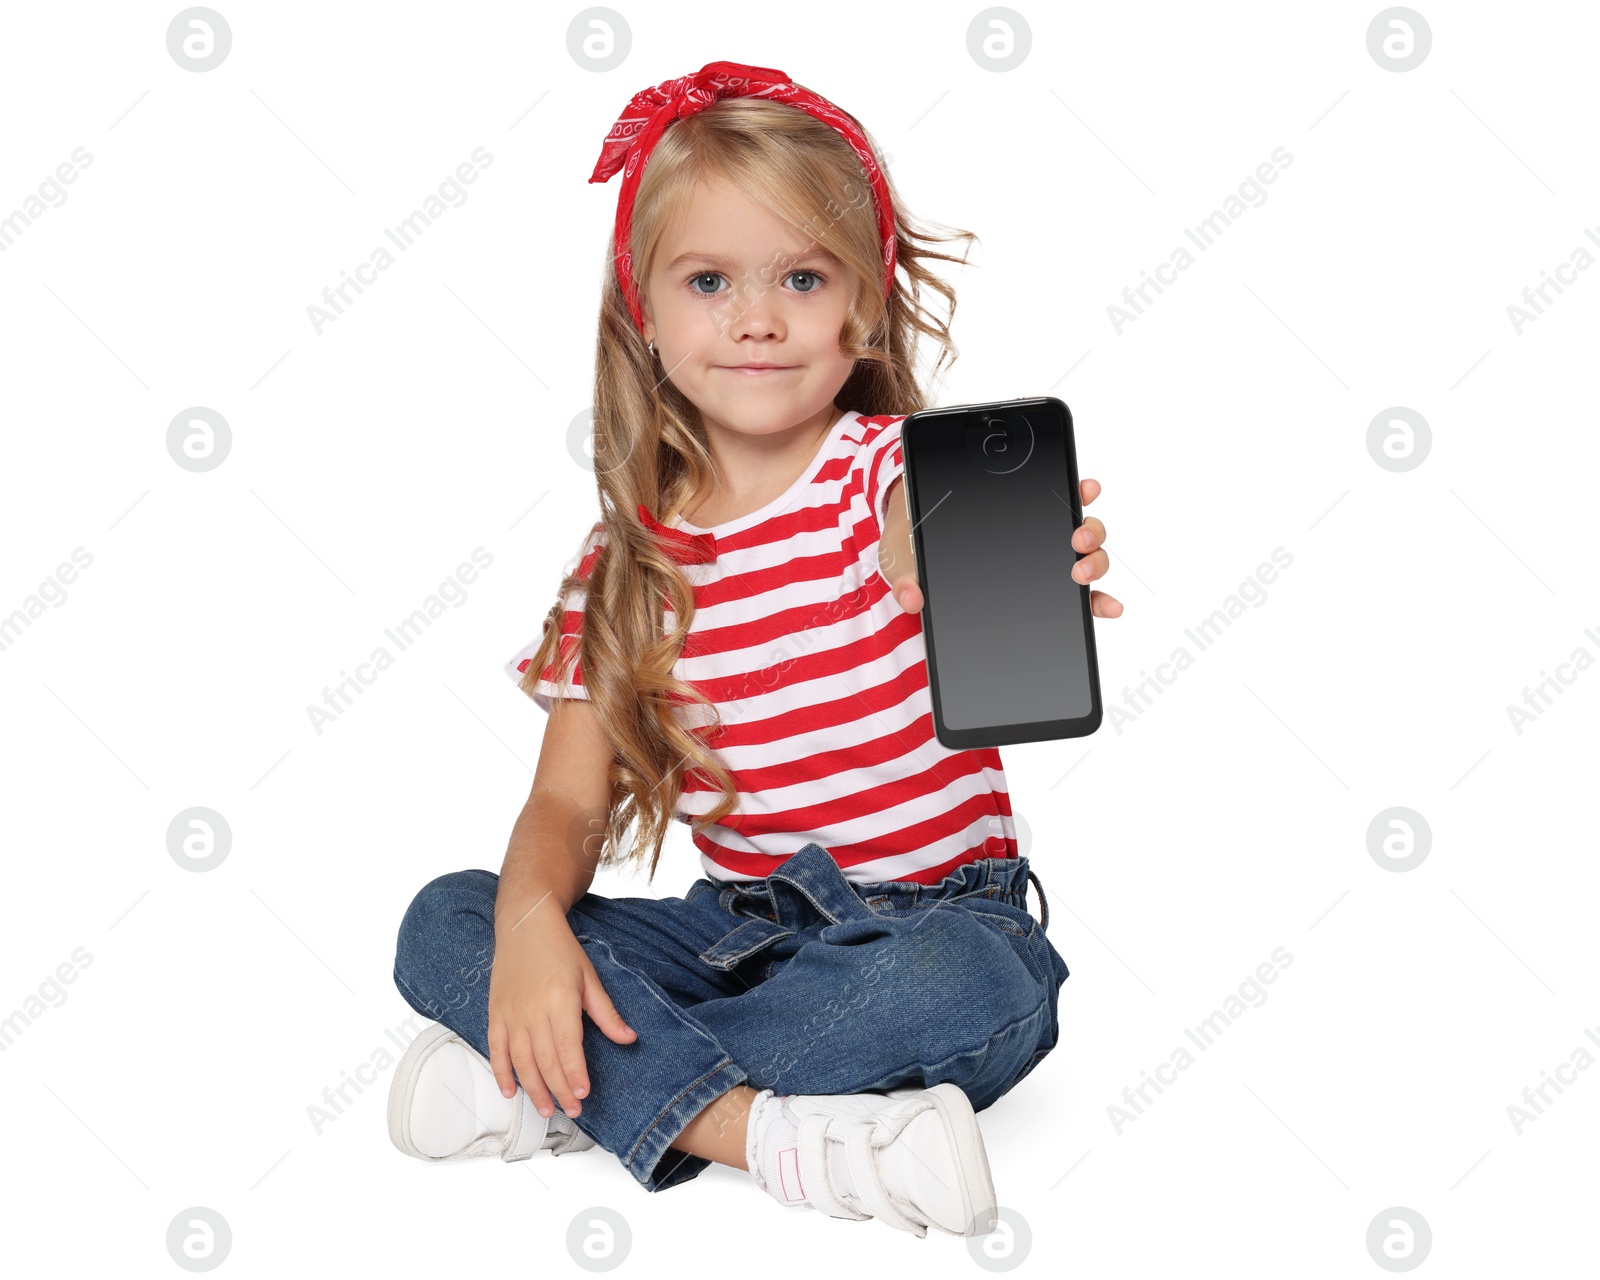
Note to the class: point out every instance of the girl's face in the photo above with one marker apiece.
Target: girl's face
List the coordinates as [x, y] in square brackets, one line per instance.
[733, 284]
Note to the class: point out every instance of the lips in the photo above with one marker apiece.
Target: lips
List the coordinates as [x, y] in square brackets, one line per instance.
[757, 368]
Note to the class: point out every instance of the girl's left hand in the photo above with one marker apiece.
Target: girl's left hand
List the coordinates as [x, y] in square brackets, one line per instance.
[899, 567]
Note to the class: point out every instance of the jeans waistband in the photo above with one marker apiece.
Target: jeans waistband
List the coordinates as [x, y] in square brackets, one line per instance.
[811, 883]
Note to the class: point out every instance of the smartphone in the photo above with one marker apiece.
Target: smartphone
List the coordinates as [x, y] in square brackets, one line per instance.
[992, 492]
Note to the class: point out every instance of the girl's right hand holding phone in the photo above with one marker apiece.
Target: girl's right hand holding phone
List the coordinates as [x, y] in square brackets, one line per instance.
[541, 984]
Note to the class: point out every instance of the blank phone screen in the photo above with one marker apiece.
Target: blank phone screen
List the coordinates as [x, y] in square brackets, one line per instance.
[1006, 617]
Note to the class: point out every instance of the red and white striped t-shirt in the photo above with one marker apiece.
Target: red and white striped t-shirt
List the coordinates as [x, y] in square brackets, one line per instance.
[821, 681]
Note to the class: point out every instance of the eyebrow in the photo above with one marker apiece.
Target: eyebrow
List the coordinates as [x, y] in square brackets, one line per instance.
[720, 260]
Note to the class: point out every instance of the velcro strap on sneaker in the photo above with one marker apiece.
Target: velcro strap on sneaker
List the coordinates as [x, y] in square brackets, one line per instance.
[868, 1177]
[528, 1129]
[819, 1191]
[577, 1140]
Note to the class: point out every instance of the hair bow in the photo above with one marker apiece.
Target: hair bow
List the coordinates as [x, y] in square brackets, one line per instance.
[682, 546]
[651, 110]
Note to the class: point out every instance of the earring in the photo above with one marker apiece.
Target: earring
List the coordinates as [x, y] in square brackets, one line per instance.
[652, 346]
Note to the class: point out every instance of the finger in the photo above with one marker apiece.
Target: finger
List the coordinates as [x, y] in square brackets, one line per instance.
[1089, 535]
[1088, 490]
[909, 594]
[1091, 566]
[547, 1051]
[528, 1072]
[569, 1049]
[1104, 606]
[603, 1012]
[500, 1059]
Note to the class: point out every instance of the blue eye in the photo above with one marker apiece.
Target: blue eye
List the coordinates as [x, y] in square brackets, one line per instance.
[816, 278]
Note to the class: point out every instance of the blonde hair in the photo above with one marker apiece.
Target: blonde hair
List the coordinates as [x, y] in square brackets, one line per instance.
[650, 448]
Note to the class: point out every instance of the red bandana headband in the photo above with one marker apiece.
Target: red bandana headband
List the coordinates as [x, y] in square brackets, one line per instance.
[647, 116]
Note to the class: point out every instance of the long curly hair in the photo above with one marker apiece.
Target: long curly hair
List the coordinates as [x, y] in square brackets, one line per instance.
[650, 447]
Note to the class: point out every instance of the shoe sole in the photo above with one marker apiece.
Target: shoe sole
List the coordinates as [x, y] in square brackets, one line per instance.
[978, 1205]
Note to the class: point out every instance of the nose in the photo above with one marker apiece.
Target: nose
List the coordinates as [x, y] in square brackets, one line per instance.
[753, 311]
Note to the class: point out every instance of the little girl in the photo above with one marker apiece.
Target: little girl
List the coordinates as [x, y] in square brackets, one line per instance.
[737, 645]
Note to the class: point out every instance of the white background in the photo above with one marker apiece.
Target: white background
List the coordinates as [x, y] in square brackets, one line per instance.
[434, 416]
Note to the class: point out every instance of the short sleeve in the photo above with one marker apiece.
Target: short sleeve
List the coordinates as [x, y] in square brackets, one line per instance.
[885, 466]
[569, 617]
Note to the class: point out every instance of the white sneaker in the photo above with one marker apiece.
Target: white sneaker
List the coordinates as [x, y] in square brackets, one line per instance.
[445, 1104]
[915, 1156]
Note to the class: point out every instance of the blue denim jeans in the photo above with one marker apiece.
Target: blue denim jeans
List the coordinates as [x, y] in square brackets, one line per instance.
[803, 982]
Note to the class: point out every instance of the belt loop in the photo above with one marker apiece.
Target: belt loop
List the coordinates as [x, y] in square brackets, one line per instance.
[1044, 906]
